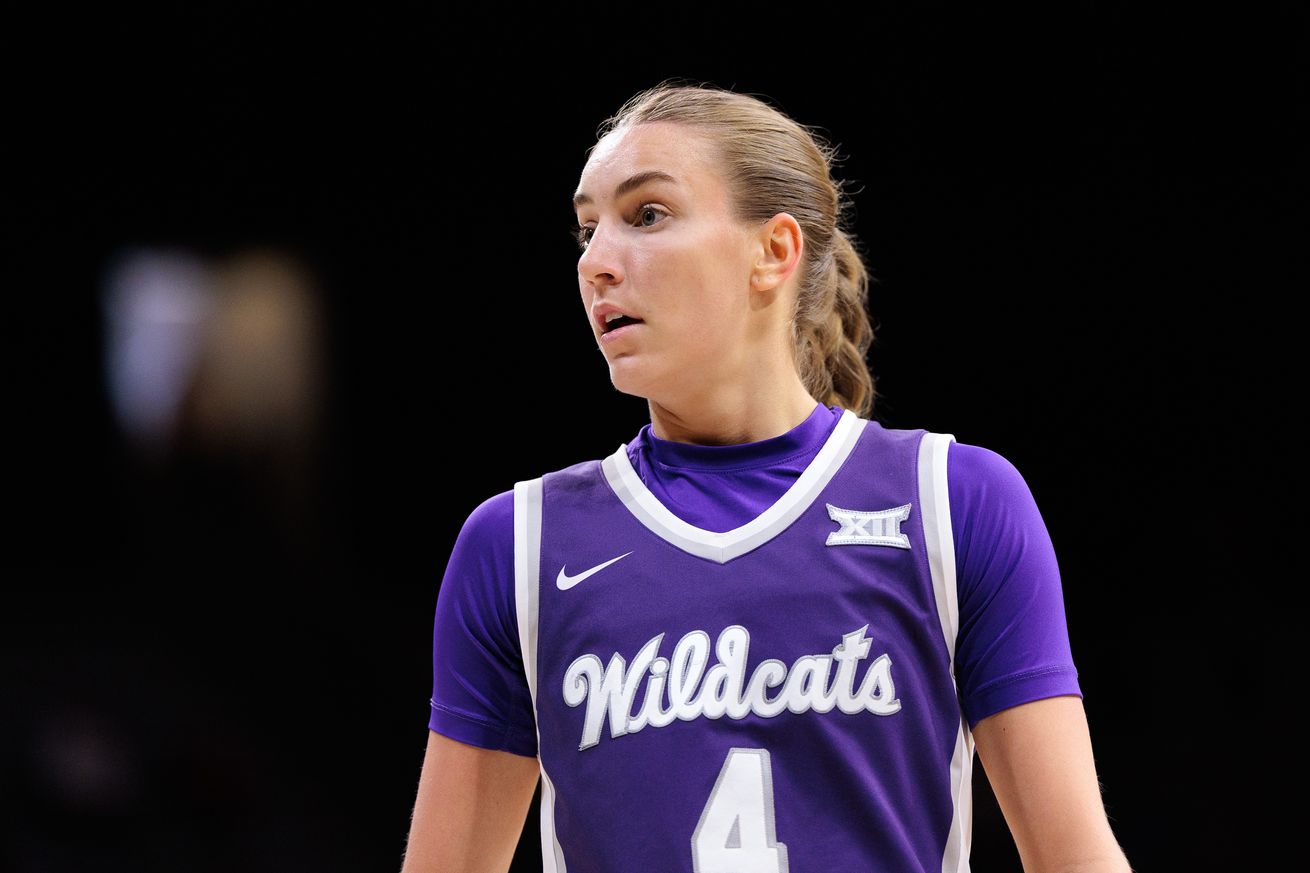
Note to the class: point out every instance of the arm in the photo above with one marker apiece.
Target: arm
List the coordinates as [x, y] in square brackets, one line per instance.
[1038, 758]
[470, 810]
[1017, 679]
[481, 764]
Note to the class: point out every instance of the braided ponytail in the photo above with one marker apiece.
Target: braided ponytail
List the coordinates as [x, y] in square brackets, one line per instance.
[831, 332]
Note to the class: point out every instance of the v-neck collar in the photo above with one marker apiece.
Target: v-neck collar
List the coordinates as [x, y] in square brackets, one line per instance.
[723, 547]
[804, 438]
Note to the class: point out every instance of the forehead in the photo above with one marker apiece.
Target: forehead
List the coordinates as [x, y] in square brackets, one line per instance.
[674, 149]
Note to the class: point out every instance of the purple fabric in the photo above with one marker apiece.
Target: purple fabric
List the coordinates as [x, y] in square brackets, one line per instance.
[719, 488]
[480, 694]
[1012, 645]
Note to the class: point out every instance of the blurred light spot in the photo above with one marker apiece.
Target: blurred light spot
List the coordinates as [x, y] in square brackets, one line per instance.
[155, 305]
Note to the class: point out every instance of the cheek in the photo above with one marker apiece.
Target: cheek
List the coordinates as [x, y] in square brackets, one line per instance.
[714, 297]
[700, 338]
[697, 327]
[696, 293]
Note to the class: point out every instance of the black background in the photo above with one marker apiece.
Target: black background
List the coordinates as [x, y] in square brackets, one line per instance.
[1084, 225]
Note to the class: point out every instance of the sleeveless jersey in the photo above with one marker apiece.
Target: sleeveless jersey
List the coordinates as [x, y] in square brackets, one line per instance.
[778, 697]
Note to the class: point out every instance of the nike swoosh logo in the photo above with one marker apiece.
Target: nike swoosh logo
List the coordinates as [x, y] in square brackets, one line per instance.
[564, 581]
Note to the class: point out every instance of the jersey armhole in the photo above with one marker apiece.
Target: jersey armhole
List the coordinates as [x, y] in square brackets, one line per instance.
[528, 501]
[935, 507]
[935, 514]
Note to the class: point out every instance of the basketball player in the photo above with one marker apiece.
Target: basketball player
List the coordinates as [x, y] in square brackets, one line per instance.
[767, 633]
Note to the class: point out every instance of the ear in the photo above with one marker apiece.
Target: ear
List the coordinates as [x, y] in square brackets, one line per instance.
[781, 245]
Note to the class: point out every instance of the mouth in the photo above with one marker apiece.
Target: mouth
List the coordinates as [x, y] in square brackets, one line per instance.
[618, 329]
[621, 321]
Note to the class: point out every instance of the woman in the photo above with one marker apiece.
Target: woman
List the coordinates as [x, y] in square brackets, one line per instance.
[767, 634]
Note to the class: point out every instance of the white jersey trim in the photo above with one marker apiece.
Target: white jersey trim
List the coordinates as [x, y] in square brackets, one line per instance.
[527, 572]
[723, 547]
[935, 507]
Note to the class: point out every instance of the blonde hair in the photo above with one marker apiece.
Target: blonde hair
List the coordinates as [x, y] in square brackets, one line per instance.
[774, 164]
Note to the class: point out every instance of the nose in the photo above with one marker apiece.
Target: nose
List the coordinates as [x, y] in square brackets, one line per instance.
[599, 263]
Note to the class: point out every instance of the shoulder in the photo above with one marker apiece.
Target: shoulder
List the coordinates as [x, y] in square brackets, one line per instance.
[979, 472]
[991, 501]
[489, 527]
[485, 543]
[492, 520]
[480, 570]
[494, 512]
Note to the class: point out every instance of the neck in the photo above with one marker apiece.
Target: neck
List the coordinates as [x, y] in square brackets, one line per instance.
[731, 419]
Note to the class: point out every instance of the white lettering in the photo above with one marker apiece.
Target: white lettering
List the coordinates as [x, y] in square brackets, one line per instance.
[726, 691]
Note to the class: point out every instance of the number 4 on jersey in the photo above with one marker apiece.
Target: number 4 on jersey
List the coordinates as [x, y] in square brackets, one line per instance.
[735, 833]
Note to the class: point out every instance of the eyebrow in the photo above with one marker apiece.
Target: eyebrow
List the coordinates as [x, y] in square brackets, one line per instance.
[629, 184]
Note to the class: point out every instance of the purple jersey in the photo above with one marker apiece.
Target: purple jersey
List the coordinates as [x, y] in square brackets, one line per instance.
[794, 687]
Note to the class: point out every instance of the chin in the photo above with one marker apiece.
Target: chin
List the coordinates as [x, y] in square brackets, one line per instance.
[630, 376]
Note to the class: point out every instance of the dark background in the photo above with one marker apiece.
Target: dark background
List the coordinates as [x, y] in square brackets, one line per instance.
[1084, 227]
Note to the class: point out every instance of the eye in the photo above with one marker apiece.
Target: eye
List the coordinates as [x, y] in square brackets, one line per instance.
[650, 207]
[583, 234]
